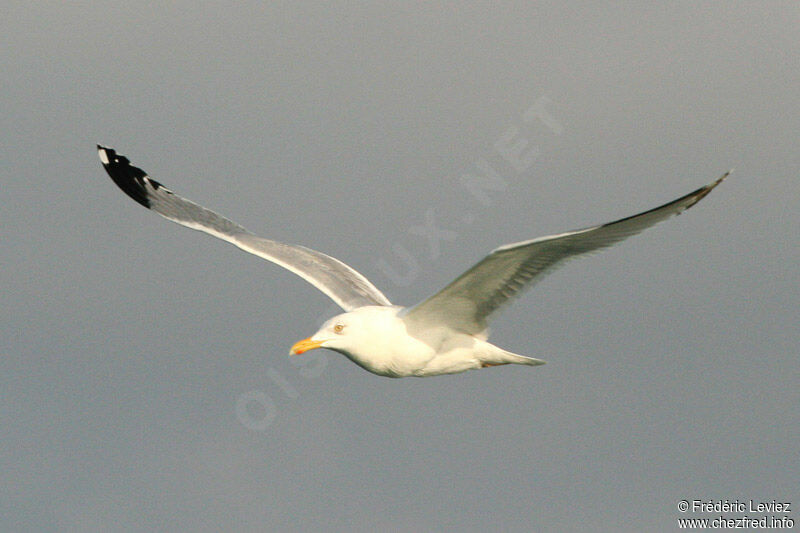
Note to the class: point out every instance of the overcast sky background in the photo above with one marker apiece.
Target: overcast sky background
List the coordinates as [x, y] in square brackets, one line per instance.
[128, 342]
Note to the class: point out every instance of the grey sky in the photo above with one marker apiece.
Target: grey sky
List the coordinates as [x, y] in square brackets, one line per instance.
[127, 341]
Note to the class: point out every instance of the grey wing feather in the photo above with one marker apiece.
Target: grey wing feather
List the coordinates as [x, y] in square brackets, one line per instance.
[342, 284]
[467, 302]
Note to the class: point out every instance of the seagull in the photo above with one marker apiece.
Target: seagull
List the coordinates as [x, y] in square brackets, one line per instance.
[445, 334]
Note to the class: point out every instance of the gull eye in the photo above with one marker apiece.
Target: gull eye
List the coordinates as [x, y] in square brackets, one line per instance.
[338, 328]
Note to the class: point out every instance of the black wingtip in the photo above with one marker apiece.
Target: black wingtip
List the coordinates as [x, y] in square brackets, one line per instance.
[702, 192]
[127, 177]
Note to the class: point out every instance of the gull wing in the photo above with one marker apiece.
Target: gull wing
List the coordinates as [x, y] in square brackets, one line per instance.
[341, 283]
[466, 303]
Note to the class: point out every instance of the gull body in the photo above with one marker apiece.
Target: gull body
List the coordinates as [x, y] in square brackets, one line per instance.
[446, 333]
[377, 339]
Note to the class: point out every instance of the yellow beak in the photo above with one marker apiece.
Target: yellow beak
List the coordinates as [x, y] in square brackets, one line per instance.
[304, 346]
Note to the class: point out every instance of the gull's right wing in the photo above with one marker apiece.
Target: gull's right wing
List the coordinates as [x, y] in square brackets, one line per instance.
[466, 303]
[342, 284]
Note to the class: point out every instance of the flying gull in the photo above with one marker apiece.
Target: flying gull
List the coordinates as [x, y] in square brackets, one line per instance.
[444, 334]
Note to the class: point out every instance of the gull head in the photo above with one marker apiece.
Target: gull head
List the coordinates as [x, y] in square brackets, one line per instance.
[354, 333]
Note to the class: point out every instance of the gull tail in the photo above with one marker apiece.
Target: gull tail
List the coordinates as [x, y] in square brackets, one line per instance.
[498, 356]
[525, 360]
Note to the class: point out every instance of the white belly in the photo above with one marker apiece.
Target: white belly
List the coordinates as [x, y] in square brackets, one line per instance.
[409, 356]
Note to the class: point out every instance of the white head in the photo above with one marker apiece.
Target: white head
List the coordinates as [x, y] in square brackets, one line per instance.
[351, 333]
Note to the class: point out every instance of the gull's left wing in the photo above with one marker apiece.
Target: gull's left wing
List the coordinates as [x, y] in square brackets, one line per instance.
[466, 303]
[341, 283]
